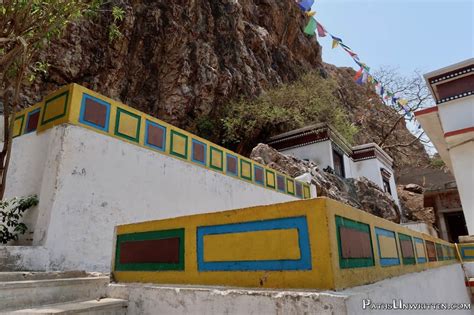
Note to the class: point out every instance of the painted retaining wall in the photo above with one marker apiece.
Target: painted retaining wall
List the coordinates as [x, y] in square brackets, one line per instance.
[89, 180]
[317, 243]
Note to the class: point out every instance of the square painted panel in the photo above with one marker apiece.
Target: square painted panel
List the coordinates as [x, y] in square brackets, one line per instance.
[95, 112]
[55, 108]
[258, 173]
[179, 144]
[406, 247]
[299, 189]
[420, 250]
[216, 159]
[150, 251]
[32, 120]
[198, 151]
[281, 185]
[306, 192]
[231, 164]
[439, 251]
[127, 125]
[270, 178]
[430, 250]
[155, 135]
[245, 169]
[290, 186]
[354, 243]
[387, 247]
[18, 125]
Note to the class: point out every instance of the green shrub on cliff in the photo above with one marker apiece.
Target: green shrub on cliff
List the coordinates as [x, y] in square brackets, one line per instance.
[311, 99]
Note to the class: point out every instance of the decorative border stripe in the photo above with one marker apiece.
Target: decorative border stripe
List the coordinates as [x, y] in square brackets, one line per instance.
[299, 223]
[74, 112]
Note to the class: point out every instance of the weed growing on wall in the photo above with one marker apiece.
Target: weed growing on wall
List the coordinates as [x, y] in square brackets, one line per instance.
[11, 211]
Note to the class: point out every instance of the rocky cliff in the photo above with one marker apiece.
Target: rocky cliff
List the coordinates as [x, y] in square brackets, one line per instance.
[359, 193]
[183, 60]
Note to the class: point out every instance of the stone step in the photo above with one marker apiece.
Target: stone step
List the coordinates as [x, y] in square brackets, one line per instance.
[104, 306]
[29, 293]
[41, 275]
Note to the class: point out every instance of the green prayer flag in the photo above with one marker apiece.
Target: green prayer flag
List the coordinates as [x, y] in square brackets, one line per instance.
[310, 29]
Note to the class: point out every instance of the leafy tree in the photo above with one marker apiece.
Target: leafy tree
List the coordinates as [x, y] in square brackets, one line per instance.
[414, 89]
[26, 27]
[11, 212]
[311, 99]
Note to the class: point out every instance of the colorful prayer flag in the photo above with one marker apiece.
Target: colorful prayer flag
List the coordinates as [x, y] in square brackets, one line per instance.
[306, 5]
[358, 74]
[321, 30]
[310, 28]
[310, 13]
[335, 41]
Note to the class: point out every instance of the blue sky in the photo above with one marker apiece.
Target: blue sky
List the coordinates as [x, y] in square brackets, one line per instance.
[409, 34]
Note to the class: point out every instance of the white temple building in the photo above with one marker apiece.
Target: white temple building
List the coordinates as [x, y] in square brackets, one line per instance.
[450, 126]
[322, 144]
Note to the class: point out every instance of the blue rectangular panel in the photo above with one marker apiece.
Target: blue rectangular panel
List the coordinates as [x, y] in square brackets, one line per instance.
[304, 263]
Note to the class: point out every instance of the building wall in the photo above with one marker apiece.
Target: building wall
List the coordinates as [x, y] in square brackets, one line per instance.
[88, 183]
[457, 114]
[463, 167]
[320, 152]
[370, 169]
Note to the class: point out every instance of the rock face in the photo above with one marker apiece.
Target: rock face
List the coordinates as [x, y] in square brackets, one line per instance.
[362, 194]
[412, 204]
[181, 61]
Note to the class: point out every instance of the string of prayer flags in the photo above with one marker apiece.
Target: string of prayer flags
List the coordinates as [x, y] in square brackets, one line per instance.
[363, 74]
[310, 28]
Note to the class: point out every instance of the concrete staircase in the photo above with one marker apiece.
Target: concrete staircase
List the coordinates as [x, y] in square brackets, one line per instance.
[57, 293]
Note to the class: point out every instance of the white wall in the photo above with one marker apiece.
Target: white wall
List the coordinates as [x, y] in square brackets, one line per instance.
[421, 227]
[25, 173]
[438, 285]
[92, 182]
[457, 114]
[462, 159]
[320, 153]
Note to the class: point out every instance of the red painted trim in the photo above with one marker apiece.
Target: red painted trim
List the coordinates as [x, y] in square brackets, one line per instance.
[426, 111]
[458, 132]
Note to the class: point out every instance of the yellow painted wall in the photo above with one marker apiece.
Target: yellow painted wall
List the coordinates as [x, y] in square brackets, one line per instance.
[276, 244]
